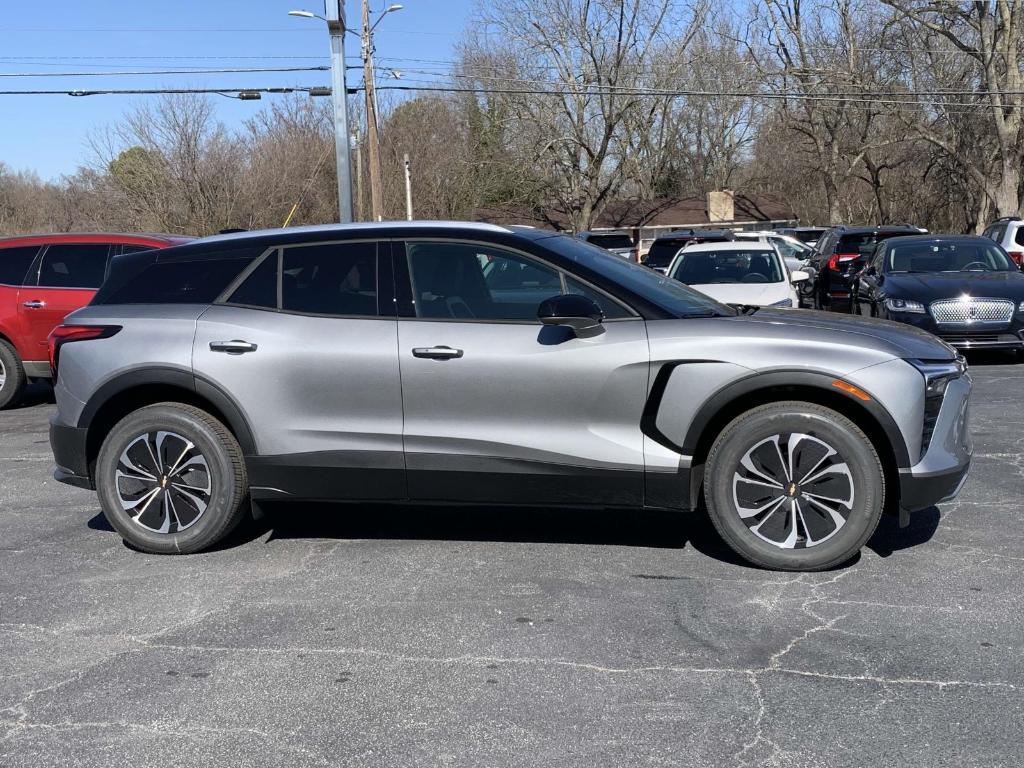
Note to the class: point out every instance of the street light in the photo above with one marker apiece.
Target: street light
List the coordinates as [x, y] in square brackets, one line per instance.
[335, 20]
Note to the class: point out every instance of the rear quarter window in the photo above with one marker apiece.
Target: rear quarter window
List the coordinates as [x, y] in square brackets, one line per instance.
[14, 263]
[180, 280]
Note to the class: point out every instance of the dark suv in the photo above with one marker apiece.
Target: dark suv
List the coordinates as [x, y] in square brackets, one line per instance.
[665, 247]
[841, 253]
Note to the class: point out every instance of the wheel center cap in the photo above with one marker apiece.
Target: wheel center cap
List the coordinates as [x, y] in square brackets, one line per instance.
[163, 481]
[792, 490]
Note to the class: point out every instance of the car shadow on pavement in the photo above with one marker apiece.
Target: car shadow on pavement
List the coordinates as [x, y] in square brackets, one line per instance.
[637, 528]
[660, 529]
[35, 394]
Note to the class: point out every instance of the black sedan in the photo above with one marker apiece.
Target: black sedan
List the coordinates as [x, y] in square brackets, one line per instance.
[963, 289]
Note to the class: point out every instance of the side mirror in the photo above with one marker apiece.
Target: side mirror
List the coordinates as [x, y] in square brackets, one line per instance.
[798, 276]
[572, 311]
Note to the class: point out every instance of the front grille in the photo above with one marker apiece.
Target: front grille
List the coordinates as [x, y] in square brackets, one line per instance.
[967, 312]
[967, 339]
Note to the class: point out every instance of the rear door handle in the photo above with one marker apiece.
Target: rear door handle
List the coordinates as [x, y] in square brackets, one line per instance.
[437, 353]
[233, 347]
[34, 304]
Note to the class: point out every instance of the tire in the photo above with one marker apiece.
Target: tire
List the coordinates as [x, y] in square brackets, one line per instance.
[148, 508]
[12, 376]
[755, 517]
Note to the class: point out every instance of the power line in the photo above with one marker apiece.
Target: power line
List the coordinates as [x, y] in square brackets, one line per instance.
[235, 70]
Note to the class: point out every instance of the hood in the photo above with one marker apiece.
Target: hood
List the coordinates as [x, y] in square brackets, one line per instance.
[755, 294]
[901, 339]
[932, 286]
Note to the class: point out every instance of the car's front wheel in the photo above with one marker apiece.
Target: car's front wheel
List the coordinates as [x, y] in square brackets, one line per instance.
[12, 376]
[794, 486]
[171, 479]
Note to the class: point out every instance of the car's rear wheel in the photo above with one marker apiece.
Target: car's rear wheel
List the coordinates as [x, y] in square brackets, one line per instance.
[12, 376]
[794, 486]
[171, 479]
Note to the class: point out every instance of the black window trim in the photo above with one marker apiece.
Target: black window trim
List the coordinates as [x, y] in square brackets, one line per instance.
[37, 268]
[28, 270]
[383, 296]
[403, 276]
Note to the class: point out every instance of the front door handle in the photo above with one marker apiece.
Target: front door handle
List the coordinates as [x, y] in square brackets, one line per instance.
[437, 353]
[34, 304]
[233, 347]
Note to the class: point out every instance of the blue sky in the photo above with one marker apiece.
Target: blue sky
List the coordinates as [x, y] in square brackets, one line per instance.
[47, 134]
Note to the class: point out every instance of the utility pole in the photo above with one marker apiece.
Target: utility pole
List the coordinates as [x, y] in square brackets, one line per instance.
[359, 177]
[335, 12]
[408, 190]
[372, 140]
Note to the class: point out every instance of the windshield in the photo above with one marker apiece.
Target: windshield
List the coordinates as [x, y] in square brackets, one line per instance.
[757, 265]
[948, 257]
[656, 288]
[662, 252]
[610, 241]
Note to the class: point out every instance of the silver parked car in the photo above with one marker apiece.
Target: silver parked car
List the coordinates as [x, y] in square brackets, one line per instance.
[450, 362]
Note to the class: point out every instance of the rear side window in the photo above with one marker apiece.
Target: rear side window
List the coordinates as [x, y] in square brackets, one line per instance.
[1018, 236]
[199, 281]
[611, 241]
[74, 265]
[14, 263]
[330, 279]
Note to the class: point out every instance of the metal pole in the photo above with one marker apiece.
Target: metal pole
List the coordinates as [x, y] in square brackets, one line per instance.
[372, 146]
[408, 190]
[335, 13]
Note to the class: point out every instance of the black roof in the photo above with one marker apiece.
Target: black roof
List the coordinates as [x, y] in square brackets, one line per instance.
[879, 228]
[690, 234]
[938, 239]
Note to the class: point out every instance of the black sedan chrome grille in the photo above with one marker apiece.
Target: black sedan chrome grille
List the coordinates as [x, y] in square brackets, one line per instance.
[967, 312]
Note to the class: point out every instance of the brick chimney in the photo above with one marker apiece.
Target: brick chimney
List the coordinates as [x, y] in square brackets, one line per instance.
[721, 205]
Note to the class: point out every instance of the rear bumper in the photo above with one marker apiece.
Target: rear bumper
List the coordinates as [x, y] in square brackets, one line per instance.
[69, 452]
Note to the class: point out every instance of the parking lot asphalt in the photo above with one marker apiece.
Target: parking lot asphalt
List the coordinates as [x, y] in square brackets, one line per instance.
[394, 636]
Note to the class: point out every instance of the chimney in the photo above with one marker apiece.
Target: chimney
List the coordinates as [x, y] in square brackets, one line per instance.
[721, 205]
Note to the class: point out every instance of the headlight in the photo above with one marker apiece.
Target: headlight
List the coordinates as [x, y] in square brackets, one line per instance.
[788, 303]
[904, 305]
[938, 374]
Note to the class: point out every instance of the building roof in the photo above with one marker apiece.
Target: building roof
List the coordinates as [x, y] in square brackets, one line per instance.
[628, 214]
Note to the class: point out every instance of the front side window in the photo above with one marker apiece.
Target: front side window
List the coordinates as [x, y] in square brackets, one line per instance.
[74, 265]
[995, 232]
[330, 279]
[468, 281]
[731, 266]
[611, 241]
[661, 290]
[14, 264]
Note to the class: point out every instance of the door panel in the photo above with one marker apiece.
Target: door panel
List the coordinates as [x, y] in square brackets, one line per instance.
[499, 408]
[321, 391]
[321, 394]
[527, 413]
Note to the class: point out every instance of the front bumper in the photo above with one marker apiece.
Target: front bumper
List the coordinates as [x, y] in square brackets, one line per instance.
[1004, 336]
[942, 470]
[69, 451]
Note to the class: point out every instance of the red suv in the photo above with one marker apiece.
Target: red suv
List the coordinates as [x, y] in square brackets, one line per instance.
[42, 279]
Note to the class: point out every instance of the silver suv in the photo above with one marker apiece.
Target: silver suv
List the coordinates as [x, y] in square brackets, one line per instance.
[450, 362]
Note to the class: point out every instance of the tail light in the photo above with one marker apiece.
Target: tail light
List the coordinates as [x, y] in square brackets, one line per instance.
[65, 334]
[838, 258]
[1017, 256]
